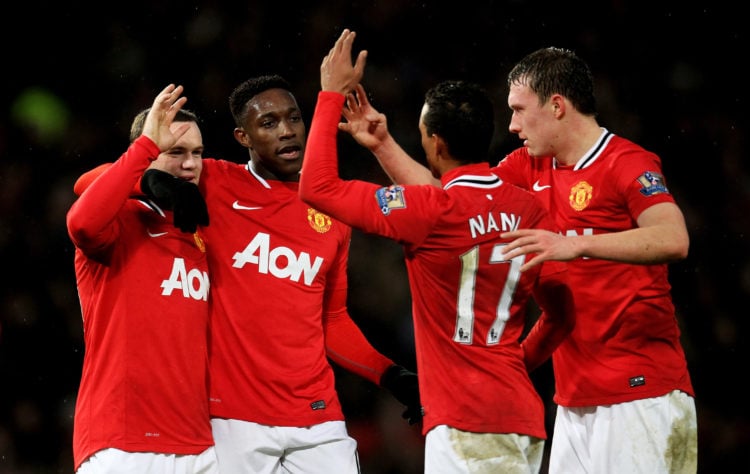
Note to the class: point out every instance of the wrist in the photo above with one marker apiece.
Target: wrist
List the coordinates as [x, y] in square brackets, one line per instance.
[389, 374]
[150, 147]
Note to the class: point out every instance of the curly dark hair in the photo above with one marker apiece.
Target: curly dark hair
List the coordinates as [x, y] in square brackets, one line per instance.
[242, 94]
[462, 114]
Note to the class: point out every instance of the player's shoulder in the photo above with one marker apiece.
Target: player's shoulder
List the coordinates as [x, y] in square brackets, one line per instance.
[520, 153]
[511, 192]
[318, 219]
[520, 161]
[619, 146]
[216, 169]
[211, 162]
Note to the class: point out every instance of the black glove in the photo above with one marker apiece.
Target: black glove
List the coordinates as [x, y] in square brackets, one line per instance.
[403, 384]
[182, 197]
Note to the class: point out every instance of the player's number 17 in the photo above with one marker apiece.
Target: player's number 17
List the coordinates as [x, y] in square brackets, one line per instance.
[465, 316]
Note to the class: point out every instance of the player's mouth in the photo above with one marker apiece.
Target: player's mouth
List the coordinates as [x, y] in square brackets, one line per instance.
[290, 152]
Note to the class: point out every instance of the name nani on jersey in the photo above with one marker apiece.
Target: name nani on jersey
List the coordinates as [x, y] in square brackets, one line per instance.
[479, 225]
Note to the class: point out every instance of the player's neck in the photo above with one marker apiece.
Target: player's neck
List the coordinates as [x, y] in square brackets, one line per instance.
[579, 142]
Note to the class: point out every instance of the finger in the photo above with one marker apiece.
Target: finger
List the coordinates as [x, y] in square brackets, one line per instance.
[510, 255]
[361, 95]
[177, 91]
[346, 45]
[181, 130]
[173, 95]
[167, 90]
[352, 103]
[359, 66]
[347, 114]
[507, 248]
[364, 101]
[161, 101]
[532, 263]
[175, 107]
[167, 97]
[375, 118]
[340, 42]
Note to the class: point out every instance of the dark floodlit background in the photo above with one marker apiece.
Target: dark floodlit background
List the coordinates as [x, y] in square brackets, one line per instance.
[73, 77]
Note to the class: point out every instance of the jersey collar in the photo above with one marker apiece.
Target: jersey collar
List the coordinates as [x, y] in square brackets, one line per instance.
[594, 152]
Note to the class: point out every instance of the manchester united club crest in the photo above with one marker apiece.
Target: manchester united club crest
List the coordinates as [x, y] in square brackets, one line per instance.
[318, 221]
[580, 195]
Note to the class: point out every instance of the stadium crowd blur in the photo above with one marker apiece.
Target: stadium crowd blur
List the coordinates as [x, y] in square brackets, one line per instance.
[76, 76]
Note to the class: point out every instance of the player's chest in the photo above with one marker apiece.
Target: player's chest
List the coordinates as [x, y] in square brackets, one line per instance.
[262, 226]
[151, 240]
[586, 200]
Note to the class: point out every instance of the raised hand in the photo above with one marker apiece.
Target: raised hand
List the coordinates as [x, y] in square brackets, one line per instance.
[404, 386]
[363, 122]
[337, 74]
[160, 117]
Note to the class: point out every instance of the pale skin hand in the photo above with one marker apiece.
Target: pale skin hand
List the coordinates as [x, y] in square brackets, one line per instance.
[363, 122]
[661, 237]
[547, 246]
[160, 117]
[370, 129]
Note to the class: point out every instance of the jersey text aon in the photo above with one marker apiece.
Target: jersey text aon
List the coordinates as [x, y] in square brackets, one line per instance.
[260, 253]
[193, 284]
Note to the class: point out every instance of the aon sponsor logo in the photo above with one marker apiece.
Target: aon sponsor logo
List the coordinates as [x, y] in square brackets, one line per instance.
[193, 284]
[280, 262]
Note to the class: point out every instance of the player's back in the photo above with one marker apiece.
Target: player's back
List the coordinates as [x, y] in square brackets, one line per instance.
[470, 303]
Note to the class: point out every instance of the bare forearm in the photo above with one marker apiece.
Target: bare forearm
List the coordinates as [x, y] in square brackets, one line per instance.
[399, 166]
[646, 245]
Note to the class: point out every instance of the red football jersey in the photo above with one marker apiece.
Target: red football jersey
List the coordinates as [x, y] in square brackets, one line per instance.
[626, 343]
[469, 304]
[278, 302]
[143, 287]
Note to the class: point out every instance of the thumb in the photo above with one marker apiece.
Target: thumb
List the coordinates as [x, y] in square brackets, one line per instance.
[359, 65]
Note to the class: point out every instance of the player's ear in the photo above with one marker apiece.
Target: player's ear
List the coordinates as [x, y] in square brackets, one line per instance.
[441, 148]
[242, 137]
[558, 105]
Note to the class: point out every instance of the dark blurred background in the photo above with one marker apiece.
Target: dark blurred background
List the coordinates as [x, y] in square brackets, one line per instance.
[75, 74]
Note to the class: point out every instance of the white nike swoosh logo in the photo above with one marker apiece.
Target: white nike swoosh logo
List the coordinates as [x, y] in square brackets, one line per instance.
[150, 234]
[237, 205]
[538, 187]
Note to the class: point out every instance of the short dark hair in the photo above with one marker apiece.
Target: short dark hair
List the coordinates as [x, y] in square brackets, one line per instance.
[136, 128]
[242, 94]
[462, 114]
[552, 70]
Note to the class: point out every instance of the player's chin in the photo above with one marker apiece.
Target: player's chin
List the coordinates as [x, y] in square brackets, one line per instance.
[286, 167]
